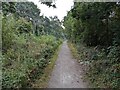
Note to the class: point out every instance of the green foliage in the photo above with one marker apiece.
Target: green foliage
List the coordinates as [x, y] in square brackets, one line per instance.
[22, 65]
[102, 71]
[8, 7]
[52, 26]
[93, 26]
[25, 54]
[7, 32]
[39, 24]
[114, 54]
[27, 10]
[94, 29]
[23, 26]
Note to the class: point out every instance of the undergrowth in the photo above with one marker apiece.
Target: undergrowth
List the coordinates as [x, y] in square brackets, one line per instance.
[103, 67]
[43, 80]
[24, 55]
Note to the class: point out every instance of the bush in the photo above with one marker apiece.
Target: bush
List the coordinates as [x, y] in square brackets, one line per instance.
[8, 32]
[102, 70]
[24, 55]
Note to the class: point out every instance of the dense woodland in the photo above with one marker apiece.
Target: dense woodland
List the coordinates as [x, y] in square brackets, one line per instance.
[94, 28]
[30, 39]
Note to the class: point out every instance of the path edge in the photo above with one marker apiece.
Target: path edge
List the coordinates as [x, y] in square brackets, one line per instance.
[44, 79]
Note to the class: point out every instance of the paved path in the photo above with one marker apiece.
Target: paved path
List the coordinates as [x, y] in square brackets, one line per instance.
[66, 72]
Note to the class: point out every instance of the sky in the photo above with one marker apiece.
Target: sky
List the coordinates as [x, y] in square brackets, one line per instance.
[62, 7]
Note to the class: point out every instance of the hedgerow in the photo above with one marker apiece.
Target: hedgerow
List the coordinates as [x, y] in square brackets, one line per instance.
[24, 55]
[102, 71]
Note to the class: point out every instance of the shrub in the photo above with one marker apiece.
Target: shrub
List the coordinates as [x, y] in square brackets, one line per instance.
[24, 55]
[102, 70]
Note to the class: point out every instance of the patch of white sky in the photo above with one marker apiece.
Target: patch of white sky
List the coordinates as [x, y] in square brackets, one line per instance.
[63, 6]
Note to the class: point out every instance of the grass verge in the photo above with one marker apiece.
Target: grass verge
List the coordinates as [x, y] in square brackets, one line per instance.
[42, 81]
[73, 50]
[77, 56]
[101, 70]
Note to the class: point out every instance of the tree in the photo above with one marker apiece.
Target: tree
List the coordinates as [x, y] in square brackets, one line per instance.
[8, 7]
[92, 23]
[29, 11]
